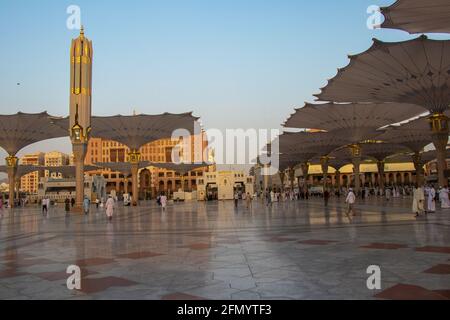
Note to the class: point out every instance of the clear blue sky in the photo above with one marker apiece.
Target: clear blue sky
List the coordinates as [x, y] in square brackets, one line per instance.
[235, 63]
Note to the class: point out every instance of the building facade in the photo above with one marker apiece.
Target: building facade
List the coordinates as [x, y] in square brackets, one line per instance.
[29, 183]
[222, 185]
[394, 174]
[55, 159]
[151, 180]
[60, 189]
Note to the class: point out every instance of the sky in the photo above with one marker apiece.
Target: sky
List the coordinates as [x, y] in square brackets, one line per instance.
[235, 63]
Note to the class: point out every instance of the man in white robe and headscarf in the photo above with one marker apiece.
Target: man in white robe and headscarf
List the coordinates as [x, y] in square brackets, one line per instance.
[418, 201]
[431, 207]
[109, 207]
[443, 197]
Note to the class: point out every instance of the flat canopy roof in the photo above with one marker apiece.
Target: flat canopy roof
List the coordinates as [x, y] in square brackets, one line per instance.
[64, 170]
[418, 16]
[415, 71]
[124, 167]
[68, 170]
[22, 129]
[23, 169]
[181, 168]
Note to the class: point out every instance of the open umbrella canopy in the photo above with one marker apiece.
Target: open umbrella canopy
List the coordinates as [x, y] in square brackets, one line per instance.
[414, 72]
[297, 158]
[418, 16]
[345, 155]
[380, 151]
[137, 130]
[336, 163]
[415, 134]
[354, 121]
[321, 143]
[287, 162]
[22, 129]
[407, 157]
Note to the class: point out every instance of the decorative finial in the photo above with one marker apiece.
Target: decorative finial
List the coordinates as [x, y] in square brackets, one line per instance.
[82, 32]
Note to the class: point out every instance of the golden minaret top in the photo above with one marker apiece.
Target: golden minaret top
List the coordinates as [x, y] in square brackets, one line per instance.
[82, 32]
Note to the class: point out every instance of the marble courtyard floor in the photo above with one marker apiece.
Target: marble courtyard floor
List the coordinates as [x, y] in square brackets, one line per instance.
[294, 250]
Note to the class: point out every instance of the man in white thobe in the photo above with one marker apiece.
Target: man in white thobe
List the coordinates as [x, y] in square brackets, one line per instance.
[418, 201]
[443, 197]
[431, 199]
[109, 207]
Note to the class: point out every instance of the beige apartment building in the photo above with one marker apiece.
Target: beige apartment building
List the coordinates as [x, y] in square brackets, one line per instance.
[29, 183]
[55, 159]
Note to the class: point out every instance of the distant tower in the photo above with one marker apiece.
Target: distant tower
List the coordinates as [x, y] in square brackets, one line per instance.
[80, 106]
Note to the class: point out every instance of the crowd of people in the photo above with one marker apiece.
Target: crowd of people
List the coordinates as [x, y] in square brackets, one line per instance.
[424, 198]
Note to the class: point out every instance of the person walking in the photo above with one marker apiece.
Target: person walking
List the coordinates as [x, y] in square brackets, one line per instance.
[350, 200]
[236, 199]
[86, 205]
[418, 200]
[97, 203]
[72, 202]
[109, 207]
[67, 205]
[326, 197]
[268, 198]
[431, 207]
[443, 197]
[44, 205]
[248, 200]
[388, 194]
[163, 201]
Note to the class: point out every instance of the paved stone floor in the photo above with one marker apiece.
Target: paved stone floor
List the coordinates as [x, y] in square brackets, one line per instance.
[294, 250]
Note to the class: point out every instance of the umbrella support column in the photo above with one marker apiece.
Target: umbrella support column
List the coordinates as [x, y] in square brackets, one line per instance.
[380, 165]
[135, 158]
[418, 165]
[282, 178]
[79, 152]
[356, 160]
[338, 180]
[440, 132]
[12, 163]
[324, 163]
[292, 178]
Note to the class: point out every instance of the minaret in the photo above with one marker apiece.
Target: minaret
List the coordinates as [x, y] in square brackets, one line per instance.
[80, 107]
